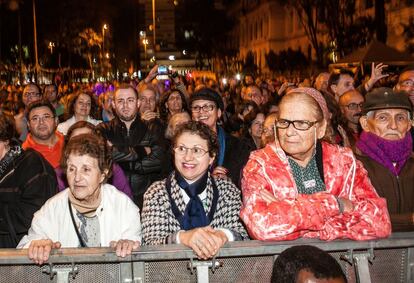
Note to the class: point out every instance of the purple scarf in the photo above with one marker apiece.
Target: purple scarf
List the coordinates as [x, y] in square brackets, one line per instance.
[386, 152]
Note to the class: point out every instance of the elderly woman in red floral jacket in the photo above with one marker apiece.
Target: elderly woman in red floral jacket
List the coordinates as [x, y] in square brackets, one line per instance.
[305, 187]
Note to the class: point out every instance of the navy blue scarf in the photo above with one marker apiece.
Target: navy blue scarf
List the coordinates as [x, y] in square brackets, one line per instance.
[194, 214]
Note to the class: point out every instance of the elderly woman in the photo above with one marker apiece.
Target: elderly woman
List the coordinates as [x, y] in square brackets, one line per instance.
[118, 178]
[191, 207]
[305, 187]
[90, 213]
[27, 180]
[82, 107]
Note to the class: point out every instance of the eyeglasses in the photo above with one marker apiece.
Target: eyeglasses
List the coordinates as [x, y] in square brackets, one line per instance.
[354, 106]
[197, 152]
[301, 125]
[205, 108]
[31, 94]
[45, 118]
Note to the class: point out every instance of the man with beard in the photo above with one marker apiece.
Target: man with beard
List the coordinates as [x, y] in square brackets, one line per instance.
[135, 147]
[350, 104]
[43, 136]
[385, 149]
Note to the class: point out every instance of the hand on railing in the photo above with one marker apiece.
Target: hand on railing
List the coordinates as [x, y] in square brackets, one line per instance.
[204, 241]
[124, 247]
[39, 250]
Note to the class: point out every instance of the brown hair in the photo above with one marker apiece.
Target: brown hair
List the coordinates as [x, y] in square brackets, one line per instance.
[203, 131]
[89, 144]
[94, 106]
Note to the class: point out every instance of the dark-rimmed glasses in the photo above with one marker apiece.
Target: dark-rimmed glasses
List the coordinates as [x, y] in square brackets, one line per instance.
[301, 125]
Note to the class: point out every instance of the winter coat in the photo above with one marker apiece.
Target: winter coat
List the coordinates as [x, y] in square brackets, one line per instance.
[317, 215]
[159, 224]
[27, 183]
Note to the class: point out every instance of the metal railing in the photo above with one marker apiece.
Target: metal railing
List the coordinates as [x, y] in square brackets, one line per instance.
[385, 260]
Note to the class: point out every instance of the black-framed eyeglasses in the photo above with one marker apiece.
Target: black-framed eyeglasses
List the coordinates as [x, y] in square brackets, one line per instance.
[354, 106]
[197, 152]
[301, 125]
[205, 108]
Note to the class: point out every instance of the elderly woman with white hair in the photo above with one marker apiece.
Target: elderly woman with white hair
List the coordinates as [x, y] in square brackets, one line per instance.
[306, 187]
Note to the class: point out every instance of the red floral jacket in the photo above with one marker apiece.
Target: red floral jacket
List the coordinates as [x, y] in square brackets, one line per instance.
[296, 215]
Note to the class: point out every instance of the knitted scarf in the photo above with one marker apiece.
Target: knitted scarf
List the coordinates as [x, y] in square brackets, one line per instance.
[386, 152]
[87, 209]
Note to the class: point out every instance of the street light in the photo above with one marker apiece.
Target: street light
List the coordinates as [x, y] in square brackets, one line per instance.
[104, 27]
[51, 46]
[145, 42]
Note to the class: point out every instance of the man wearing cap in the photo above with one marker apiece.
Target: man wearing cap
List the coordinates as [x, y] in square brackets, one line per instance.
[385, 149]
[207, 107]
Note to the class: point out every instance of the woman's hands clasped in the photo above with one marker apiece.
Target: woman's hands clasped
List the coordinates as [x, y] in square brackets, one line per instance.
[204, 241]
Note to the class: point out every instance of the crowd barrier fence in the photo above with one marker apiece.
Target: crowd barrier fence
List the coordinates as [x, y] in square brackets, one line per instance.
[385, 260]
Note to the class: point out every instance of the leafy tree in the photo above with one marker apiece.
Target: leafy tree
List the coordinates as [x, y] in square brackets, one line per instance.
[88, 43]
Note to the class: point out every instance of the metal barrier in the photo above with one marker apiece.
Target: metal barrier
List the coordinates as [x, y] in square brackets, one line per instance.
[388, 260]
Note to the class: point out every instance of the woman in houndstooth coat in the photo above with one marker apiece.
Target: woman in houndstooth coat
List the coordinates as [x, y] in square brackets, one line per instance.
[191, 206]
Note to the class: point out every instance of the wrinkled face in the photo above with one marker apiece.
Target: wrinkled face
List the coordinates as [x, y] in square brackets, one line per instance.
[148, 101]
[174, 103]
[50, 93]
[256, 129]
[205, 111]
[31, 94]
[126, 104]
[406, 83]
[389, 124]
[296, 143]
[351, 104]
[84, 177]
[321, 82]
[42, 123]
[346, 83]
[83, 105]
[187, 164]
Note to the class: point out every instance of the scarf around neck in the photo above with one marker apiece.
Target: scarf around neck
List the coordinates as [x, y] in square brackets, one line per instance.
[194, 214]
[386, 152]
[87, 209]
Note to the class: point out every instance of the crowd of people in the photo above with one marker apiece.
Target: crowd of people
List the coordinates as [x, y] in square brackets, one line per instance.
[203, 162]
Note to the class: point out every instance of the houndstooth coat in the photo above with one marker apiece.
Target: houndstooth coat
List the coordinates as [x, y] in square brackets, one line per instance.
[159, 225]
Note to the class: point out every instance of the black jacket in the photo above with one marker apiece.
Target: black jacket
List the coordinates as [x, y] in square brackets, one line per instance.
[24, 187]
[129, 152]
[236, 155]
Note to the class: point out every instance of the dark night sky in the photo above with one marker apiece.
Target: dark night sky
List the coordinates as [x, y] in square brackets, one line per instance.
[56, 19]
